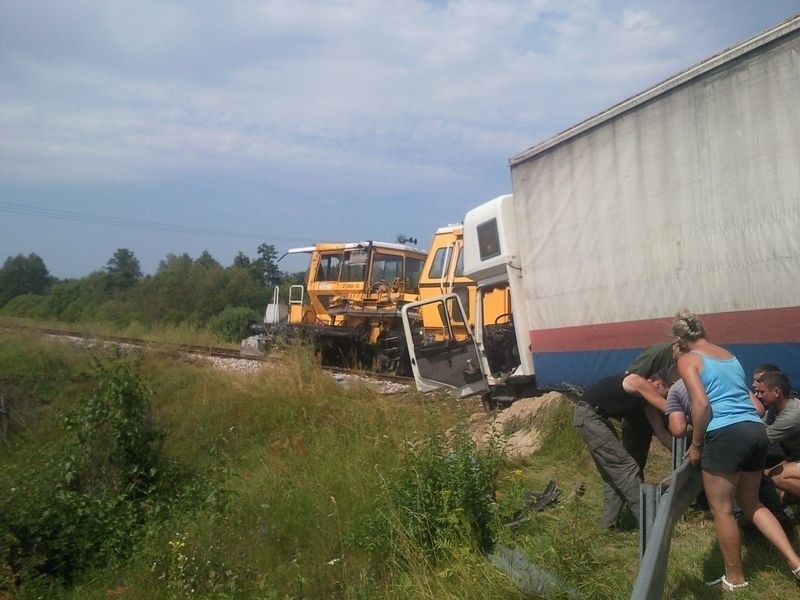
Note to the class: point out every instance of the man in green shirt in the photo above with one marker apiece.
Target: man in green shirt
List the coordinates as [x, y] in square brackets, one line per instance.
[654, 358]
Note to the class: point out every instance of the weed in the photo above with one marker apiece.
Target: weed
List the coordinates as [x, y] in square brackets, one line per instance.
[192, 572]
[76, 503]
[114, 442]
[286, 484]
[439, 499]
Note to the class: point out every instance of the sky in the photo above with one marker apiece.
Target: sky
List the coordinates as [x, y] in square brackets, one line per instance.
[181, 126]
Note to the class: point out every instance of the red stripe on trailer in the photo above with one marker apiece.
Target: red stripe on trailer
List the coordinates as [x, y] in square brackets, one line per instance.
[763, 326]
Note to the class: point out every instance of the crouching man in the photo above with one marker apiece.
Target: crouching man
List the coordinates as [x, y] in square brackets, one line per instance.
[773, 388]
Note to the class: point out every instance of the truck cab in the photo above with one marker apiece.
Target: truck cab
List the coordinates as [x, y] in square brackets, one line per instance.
[492, 261]
[474, 305]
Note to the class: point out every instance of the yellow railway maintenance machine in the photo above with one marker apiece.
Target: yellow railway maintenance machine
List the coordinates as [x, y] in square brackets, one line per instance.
[349, 309]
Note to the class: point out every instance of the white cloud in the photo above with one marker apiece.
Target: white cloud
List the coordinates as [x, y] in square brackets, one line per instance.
[200, 86]
[423, 98]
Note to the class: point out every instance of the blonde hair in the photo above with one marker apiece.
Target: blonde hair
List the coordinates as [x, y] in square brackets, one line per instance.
[688, 326]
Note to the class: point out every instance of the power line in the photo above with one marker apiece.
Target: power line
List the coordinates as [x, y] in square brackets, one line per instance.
[77, 217]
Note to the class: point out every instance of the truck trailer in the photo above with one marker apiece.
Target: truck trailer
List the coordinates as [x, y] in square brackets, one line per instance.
[686, 195]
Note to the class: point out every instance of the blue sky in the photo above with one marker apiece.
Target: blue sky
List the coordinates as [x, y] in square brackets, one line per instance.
[183, 126]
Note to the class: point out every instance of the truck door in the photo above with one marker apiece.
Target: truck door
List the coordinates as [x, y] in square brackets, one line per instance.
[449, 360]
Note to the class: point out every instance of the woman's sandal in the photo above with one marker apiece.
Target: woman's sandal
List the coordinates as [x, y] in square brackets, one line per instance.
[727, 586]
[796, 573]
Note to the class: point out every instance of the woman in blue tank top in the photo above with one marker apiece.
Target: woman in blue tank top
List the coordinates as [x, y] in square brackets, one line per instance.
[729, 442]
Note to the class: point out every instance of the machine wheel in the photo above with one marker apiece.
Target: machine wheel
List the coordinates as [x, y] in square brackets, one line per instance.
[391, 355]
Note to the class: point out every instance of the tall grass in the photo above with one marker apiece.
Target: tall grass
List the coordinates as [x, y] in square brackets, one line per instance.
[284, 484]
[168, 334]
[290, 463]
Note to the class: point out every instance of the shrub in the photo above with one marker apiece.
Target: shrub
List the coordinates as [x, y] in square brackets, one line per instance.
[231, 324]
[439, 498]
[115, 439]
[77, 504]
[114, 311]
[26, 305]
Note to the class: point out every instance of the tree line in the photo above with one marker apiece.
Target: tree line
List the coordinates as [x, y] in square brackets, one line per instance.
[199, 292]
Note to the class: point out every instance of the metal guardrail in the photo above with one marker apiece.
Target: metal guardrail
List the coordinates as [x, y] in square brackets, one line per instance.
[650, 496]
[661, 506]
[658, 518]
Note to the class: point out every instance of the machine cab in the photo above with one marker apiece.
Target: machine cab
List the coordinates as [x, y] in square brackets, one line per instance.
[366, 273]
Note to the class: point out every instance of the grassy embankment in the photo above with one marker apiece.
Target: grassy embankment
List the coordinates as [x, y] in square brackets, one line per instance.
[152, 477]
[176, 334]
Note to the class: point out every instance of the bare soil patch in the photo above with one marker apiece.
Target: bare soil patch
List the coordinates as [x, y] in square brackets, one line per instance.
[514, 427]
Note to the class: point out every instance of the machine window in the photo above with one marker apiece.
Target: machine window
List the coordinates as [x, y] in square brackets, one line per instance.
[460, 263]
[463, 294]
[413, 273]
[354, 267]
[386, 267]
[437, 264]
[328, 268]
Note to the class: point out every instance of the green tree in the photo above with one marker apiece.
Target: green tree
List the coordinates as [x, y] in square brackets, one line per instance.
[206, 280]
[242, 289]
[23, 275]
[164, 297]
[173, 261]
[207, 261]
[123, 270]
[267, 265]
[186, 291]
[242, 260]
[78, 299]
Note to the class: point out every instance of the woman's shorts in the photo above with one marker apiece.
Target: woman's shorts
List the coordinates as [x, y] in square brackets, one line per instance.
[737, 447]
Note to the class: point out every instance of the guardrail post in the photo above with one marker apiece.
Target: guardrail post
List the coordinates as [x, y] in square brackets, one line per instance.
[684, 485]
[678, 450]
[649, 497]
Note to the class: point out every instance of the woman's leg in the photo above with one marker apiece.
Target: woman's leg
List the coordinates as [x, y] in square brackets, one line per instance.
[762, 517]
[720, 490]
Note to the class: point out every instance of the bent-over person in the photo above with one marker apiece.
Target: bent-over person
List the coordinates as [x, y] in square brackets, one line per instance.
[621, 463]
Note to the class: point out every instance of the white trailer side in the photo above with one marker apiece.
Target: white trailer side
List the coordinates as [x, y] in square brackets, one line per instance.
[687, 195]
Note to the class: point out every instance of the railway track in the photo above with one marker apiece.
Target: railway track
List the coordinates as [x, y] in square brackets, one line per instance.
[192, 349]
